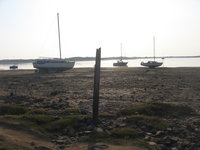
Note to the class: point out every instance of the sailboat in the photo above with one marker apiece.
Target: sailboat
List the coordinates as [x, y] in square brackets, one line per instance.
[152, 64]
[54, 65]
[120, 62]
[13, 67]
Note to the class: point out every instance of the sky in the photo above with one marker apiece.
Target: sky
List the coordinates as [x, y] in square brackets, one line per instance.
[28, 28]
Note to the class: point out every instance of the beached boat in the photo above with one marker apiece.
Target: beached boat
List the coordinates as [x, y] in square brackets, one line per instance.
[152, 64]
[13, 67]
[54, 65]
[120, 62]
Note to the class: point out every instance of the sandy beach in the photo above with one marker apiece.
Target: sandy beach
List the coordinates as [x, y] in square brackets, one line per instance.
[120, 88]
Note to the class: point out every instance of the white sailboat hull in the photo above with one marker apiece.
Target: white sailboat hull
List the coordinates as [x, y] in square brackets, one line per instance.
[53, 65]
[68, 65]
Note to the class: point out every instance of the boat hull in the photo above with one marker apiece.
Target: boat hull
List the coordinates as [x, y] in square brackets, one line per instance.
[121, 63]
[13, 67]
[151, 64]
[53, 66]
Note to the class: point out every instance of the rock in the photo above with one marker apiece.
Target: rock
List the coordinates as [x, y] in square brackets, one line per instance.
[32, 144]
[97, 147]
[87, 132]
[73, 139]
[57, 117]
[147, 137]
[42, 148]
[71, 133]
[62, 146]
[167, 141]
[158, 133]
[108, 132]
[99, 130]
[174, 148]
[152, 143]
[163, 147]
[60, 142]
[169, 129]
[122, 125]
[90, 127]
[149, 134]
[174, 139]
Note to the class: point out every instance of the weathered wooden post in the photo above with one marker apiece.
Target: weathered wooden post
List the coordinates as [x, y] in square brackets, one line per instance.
[96, 86]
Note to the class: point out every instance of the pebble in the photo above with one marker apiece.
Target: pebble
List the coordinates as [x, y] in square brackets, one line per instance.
[42, 148]
[158, 133]
[99, 130]
[149, 133]
[97, 147]
[174, 148]
[152, 143]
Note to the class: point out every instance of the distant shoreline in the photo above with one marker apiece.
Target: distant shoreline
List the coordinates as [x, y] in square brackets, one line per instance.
[11, 61]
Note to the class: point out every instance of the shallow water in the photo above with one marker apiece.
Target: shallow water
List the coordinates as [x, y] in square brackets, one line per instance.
[167, 62]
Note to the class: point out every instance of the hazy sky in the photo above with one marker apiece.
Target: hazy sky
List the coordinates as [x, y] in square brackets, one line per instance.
[28, 28]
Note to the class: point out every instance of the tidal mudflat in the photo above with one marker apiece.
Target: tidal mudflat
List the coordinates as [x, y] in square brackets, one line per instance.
[139, 108]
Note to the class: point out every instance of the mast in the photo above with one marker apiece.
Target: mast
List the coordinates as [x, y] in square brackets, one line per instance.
[121, 51]
[154, 47]
[59, 34]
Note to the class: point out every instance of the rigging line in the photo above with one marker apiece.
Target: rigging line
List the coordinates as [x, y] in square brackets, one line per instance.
[47, 34]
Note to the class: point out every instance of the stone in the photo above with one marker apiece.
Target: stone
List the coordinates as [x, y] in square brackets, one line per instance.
[163, 147]
[108, 132]
[174, 139]
[122, 125]
[147, 137]
[97, 147]
[60, 142]
[87, 132]
[152, 143]
[32, 144]
[174, 148]
[167, 141]
[90, 127]
[42, 148]
[62, 146]
[169, 129]
[158, 133]
[99, 130]
[71, 133]
[149, 133]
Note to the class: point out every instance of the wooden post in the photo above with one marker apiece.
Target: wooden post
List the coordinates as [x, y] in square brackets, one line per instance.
[96, 86]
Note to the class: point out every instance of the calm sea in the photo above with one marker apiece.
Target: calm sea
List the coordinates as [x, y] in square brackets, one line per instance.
[167, 62]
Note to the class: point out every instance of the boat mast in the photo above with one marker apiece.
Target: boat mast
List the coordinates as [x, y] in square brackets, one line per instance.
[59, 34]
[154, 48]
[121, 51]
